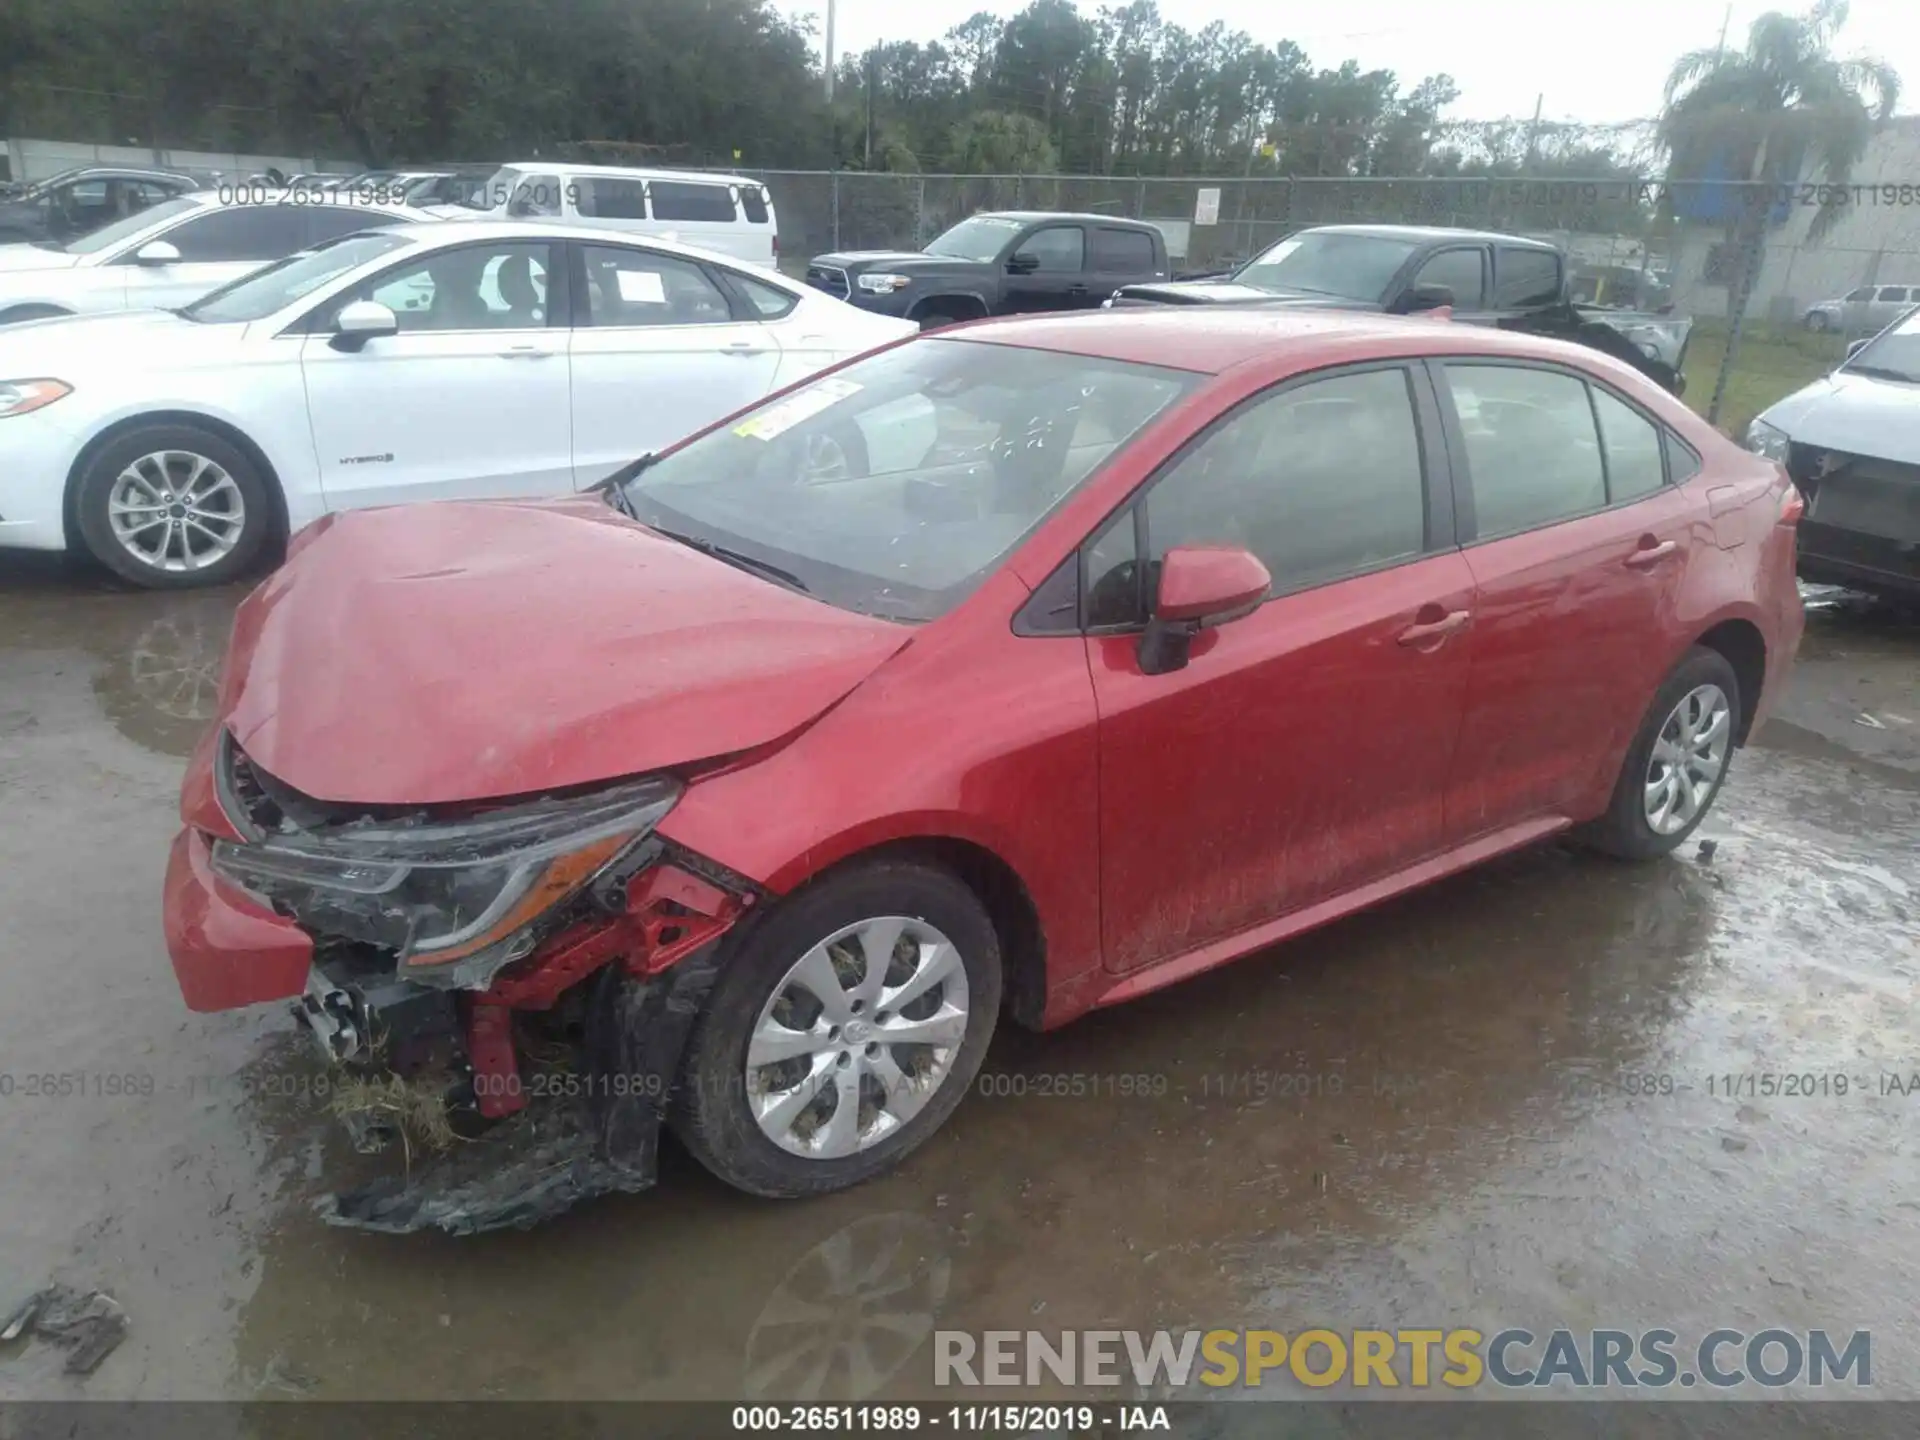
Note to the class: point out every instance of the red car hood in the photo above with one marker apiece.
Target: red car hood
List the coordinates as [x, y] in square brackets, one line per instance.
[452, 652]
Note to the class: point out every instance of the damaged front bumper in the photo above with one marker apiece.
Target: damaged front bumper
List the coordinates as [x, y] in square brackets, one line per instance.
[596, 985]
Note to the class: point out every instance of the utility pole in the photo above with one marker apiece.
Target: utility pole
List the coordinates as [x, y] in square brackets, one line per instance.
[873, 74]
[830, 10]
[1724, 23]
[1533, 130]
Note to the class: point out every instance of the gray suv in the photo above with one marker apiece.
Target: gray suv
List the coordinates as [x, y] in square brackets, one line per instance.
[1861, 310]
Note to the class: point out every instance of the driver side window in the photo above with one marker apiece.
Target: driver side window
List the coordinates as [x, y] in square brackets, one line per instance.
[502, 286]
[1060, 249]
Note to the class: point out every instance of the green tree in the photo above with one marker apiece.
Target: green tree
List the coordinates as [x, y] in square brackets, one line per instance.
[998, 142]
[1782, 108]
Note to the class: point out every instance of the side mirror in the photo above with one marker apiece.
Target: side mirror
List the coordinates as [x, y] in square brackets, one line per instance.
[1200, 587]
[1855, 347]
[1416, 298]
[157, 252]
[362, 321]
[1022, 262]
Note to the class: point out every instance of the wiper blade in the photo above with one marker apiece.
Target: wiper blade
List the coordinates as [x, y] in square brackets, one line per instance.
[614, 487]
[736, 558]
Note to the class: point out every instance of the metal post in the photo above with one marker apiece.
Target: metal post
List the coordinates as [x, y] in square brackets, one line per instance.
[920, 235]
[836, 205]
[1749, 267]
[830, 10]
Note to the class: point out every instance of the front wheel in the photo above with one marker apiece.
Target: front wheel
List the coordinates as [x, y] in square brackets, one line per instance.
[842, 1032]
[1677, 763]
[1817, 322]
[169, 506]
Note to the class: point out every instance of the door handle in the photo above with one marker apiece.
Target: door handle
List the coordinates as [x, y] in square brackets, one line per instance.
[1076, 289]
[1422, 631]
[1647, 556]
[525, 352]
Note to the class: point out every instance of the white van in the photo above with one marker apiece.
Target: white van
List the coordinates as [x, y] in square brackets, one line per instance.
[725, 213]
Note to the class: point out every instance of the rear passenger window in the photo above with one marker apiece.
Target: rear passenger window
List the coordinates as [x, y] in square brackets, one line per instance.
[1682, 463]
[1121, 252]
[641, 287]
[1532, 450]
[1320, 481]
[1634, 466]
[769, 302]
[1893, 292]
[604, 199]
[753, 205]
[1525, 278]
[678, 200]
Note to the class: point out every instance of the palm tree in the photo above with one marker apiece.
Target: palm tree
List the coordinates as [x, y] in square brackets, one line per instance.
[1782, 108]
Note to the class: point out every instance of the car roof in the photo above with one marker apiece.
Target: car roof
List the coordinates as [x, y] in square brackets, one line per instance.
[631, 172]
[454, 232]
[1025, 215]
[1213, 339]
[209, 199]
[136, 172]
[1428, 234]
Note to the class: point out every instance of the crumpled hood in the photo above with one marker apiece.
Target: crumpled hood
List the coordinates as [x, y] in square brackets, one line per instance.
[1228, 292]
[448, 652]
[1855, 413]
[21, 257]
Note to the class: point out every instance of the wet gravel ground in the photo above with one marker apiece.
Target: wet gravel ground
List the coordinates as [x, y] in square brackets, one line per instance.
[1502, 1101]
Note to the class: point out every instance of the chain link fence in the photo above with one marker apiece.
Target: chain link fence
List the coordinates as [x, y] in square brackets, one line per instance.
[1811, 286]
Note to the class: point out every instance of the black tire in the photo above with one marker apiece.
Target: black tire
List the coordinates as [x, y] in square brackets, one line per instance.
[20, 313]
[1817, 322]
[1624, 831]
[712, 1117]
[94, 488]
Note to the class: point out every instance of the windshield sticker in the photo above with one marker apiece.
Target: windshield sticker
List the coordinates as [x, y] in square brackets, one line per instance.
[791, 411]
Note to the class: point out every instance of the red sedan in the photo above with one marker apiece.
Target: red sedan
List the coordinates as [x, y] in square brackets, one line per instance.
[1025, 667]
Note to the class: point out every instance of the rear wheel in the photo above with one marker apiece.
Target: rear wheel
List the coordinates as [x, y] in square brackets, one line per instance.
[1677, 763]
[842, 1032]
[171, 506]
[1817, 322]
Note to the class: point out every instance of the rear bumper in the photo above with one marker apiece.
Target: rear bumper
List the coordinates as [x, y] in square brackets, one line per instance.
[228, 950]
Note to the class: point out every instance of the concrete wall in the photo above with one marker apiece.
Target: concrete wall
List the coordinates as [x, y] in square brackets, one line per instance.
[37, 159]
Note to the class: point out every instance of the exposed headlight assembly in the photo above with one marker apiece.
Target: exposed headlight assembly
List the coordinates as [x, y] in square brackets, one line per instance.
[1763, 439]
[883, 284]
[438, 892]
[23, 397]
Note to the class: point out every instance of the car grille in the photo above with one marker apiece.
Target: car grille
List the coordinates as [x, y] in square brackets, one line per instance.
[1859, 493]
[828, 278]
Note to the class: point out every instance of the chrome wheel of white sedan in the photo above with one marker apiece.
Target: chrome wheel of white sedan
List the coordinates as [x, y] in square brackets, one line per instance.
[176, 511]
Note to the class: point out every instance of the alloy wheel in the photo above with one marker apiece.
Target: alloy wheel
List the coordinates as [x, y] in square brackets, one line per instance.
[1689, 756]
[857, 1037]
[176, 511]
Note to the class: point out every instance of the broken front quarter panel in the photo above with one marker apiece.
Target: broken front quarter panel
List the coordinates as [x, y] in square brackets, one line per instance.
[451, 653]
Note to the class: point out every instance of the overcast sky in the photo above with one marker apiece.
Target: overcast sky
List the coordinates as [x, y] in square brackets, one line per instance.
[1594, 63]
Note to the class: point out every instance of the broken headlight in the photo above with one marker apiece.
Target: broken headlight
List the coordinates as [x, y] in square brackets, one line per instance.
[437, 891]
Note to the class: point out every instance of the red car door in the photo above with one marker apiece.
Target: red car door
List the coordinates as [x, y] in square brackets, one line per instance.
[1303, 749]
[1579, 543]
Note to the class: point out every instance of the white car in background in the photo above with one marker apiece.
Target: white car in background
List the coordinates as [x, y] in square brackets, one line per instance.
[459, 360]
[173, 252]
[729, 214]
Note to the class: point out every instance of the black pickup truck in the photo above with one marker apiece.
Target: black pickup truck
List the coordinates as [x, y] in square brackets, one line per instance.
[1008, 262]
[1488, 279]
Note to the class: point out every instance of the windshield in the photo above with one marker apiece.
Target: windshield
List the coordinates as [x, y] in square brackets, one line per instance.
[1894, 355]
[107, 236]
[894, 486]
[491, 193]
[1354, 267]
[980, 239]
[264, 292]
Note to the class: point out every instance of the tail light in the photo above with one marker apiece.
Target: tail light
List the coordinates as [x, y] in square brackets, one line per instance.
[776, 245]
[1792, 505]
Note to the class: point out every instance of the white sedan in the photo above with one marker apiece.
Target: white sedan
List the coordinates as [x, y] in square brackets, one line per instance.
[449, 360]
[175, 251]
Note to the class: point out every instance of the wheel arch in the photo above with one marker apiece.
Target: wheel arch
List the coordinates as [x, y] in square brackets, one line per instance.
[948, 302]
[232, 434]
[32, 309]
[999, 888]
[1740, 642]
